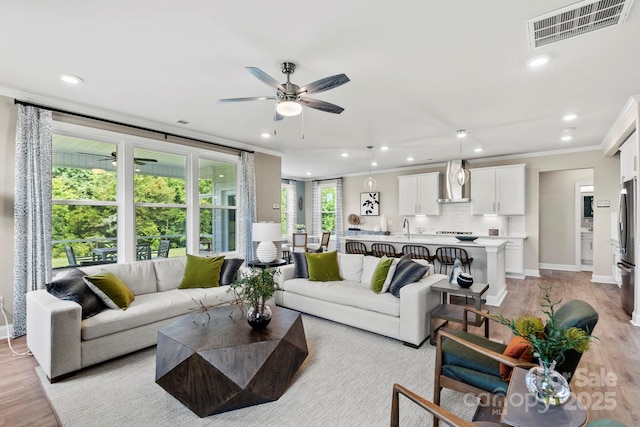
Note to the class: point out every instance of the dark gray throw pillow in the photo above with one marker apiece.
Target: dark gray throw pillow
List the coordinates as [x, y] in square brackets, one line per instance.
[229, 269]
[301, 268]
[72, 287]
[407, 272]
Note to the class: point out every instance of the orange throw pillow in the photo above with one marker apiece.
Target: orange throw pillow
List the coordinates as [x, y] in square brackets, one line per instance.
[518, 348]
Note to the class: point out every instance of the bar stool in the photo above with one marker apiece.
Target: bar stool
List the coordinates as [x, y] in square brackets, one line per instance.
[382, 249]
[356, 248]
[417, 252]
[447, 255]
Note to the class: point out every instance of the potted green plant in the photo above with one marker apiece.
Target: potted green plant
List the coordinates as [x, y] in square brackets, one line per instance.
[301, 228]
[255, 286]
[548, 343]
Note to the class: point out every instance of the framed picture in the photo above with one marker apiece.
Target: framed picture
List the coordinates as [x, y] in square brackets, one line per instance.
[370, 204]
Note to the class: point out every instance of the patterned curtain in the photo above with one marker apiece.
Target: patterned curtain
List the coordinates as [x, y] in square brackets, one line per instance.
[315, 209]
[246, 205]
[339, 230]
[32, 212]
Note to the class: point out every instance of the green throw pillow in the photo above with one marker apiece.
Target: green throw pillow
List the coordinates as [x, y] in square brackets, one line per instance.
[380, 274]
[110, 289]
[323, 267]
[201, 272]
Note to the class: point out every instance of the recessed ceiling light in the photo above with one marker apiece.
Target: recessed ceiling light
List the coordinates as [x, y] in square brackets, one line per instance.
[409, 159]
[221, 176]
[384, 148]
[71, 79]
[538, 61]
[478, 150]
[374, 163]
[569, 117]
[345, 154]
[567, 138]
[308, 173]
[265, 135]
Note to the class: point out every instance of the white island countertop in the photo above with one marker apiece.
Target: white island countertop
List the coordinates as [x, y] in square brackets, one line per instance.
[424, 239]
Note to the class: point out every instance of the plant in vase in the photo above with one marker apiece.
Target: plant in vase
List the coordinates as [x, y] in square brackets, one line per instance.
[256, 285]
[548, 344]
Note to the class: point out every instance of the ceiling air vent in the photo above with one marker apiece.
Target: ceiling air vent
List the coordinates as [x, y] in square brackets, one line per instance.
[575, 20]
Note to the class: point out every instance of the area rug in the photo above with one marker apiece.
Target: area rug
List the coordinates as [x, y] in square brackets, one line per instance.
[346, 380]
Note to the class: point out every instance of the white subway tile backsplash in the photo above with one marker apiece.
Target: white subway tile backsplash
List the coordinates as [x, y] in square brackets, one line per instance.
[457, 217]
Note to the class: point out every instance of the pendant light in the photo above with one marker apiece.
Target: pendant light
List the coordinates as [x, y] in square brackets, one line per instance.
[370, 184]
[461, 175]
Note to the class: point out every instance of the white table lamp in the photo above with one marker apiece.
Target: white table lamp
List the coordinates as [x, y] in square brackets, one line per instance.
[266, 233]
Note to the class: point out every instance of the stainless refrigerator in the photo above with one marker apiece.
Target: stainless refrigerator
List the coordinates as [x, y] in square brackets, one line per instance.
[626, 234]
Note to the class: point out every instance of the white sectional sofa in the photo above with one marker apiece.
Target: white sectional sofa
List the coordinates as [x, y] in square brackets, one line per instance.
[353, 302]
[63, 343]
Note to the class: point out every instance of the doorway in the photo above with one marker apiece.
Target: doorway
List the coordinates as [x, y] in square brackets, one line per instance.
[584, 225]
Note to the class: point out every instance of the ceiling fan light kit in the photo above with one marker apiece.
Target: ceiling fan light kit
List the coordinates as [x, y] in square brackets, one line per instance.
[288, 108]
[291, 97]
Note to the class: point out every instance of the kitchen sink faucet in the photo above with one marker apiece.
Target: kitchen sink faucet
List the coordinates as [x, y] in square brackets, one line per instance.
[405, 225]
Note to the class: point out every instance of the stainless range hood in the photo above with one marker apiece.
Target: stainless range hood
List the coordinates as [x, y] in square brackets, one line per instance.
[454, 192]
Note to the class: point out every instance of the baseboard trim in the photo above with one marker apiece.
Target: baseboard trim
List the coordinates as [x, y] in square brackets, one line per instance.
[532, 273]
[515, 276]
[6, 331]
[603, 279]
[497, 299]
[561, 267]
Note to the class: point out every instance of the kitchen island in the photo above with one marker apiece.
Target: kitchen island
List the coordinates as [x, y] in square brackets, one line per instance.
[488, 254]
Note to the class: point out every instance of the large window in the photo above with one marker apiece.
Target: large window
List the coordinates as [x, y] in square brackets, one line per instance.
[328, 207]
[117, 197]
[161, 201]
[84, 199]
[288, 208]
[217, 194]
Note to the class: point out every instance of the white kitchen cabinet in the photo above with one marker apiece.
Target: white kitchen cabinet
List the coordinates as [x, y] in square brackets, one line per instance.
[418, 194]
[586, 248]
[498, 190]
[514, 258]
[629, 159]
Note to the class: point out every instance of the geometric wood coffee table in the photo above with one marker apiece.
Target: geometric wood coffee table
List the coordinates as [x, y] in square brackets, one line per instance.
[226, 364]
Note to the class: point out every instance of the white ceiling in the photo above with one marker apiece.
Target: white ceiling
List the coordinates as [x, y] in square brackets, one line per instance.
[419, 71]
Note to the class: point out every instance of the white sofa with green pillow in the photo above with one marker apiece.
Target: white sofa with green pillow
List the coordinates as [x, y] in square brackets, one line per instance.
[63, 342]
[353, 302]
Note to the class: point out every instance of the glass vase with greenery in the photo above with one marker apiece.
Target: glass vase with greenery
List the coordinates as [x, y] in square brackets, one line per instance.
[255, 286]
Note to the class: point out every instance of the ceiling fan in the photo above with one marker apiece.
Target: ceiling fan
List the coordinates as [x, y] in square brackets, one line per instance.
[292, 97]
[113, 157]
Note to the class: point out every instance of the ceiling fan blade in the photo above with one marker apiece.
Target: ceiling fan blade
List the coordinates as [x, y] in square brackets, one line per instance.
[324, 84]
[142, 159]
[265, 78]
[252, 98]
[321, 105]
[104, 156]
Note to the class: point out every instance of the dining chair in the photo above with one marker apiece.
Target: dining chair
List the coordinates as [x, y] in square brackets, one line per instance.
[299, 242]
[143, 251]
[447, 255]
[417, 252]
[383, 249]
[163, 249]
[356, 248]
[323, 246]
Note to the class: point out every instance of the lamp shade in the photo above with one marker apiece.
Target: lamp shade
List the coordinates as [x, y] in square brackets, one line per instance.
[266, 231]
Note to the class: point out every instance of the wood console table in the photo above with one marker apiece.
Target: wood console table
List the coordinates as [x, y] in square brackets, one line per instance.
[453, 312]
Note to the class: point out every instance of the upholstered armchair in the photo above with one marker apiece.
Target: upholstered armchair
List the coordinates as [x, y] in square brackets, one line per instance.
[471, 364]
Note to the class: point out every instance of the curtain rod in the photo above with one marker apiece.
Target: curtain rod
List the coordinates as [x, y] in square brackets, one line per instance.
[327, 179]
[114, 122]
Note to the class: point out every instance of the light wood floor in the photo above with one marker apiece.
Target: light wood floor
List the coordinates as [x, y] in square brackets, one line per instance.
[23, 403]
